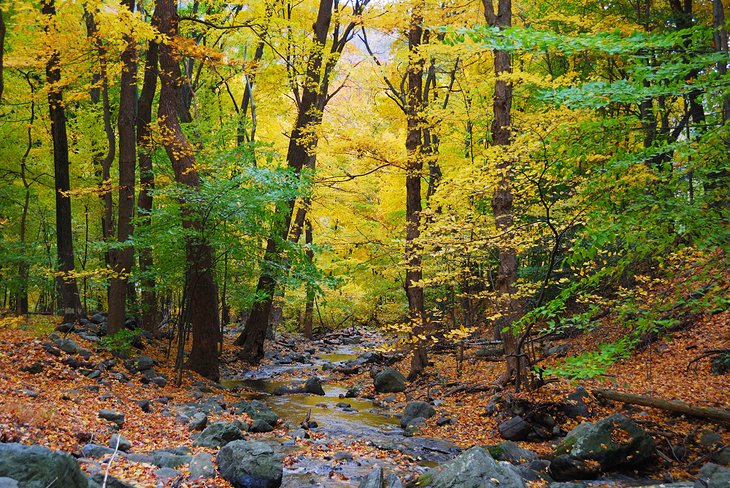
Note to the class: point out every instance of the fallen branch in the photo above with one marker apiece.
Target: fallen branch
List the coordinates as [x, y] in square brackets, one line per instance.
[707, 354]
[716, 415]
[468, 389]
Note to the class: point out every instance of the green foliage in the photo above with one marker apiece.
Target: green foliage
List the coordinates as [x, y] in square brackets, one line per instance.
[593, 363]
[121, 342]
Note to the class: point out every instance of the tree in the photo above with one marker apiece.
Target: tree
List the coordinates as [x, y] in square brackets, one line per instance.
[66, 282]
[121, 257]
[201, 288]
[312, 96]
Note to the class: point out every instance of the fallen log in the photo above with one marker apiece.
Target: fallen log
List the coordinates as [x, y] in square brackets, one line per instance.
[717, 415]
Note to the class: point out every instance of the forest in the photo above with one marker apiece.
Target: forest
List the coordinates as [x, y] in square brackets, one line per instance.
[374, 243]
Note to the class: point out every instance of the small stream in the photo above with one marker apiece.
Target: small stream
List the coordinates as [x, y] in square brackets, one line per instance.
[341, 419]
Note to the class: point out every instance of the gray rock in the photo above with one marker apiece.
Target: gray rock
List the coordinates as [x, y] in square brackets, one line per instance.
[713, 476]
[68, 346]
[615, 442]
[475, 468]
[259, 425]
[111, 481]
[39, 467]
[98, 318]
[389, 380]
[515, 429]
[198, 421]
[167, 473]
[95, 451]
[377, 479]
[218, 434]
[137, 457]
[314, 386]
[511, 452]
[250, 465]
[124, 444]
[201, 466]
[165, 459]
[414, 410]
[575, 405]
[257, 410]
[112, 416]
[8, 483]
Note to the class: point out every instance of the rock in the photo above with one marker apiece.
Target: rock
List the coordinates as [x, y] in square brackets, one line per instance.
[68, 346]
[8, 483]
[257, 410]
[201, 466]
[353, 392]
[615, 442]
[167, 473]
[140, 363]
[145, 405]
[260, 425]
[50, 348]
[475, 468]
[198, 421]
[314, 386]
[515, 429]
[166, 459]
[558, 351]
[445, 421]
[112, 416]
[575, 405]
[389, 380]
[111, 481]
[250, 465]
[95, 451]
[39, 467]
[124, 444]
[34, 368]
[218, 434]
[342, 456]
[414, 410]
[713, 476]
[98, 318]
[511, 452]
[377, 479]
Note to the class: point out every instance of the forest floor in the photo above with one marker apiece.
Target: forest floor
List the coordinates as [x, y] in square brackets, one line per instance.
[58, 407]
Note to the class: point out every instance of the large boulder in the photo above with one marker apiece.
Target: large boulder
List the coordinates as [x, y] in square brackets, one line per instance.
[39, 467]
[474, 468]
[389, 380]
[218, 434]
[314, 386]
[415, 410]
[615, 442]
[250, 465]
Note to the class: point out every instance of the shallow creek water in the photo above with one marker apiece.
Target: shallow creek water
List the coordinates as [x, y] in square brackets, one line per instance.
[362, 420]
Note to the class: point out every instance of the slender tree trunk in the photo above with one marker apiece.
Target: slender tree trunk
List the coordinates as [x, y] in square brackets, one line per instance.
[122, 256]
[21, 299]
[150, 313]
[721, 44]
[202, 288]
[302, 145]
[502, 197]
[66, 282]
[414, 168]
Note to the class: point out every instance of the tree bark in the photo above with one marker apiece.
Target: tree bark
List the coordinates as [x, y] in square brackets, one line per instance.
[203, 304]
[65, 281]
[717, 415]
[414, 168]
[309, 306]
[502, 198]
[150, 314]
[21, 298]
[121, 257]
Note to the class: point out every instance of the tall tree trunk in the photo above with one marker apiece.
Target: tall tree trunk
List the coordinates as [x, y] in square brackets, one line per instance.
[721, 44]
[121, 257]
[150, 314]
[203, 304]
[414, 168]
[502, 197]
[302, 145]
[65, 281]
